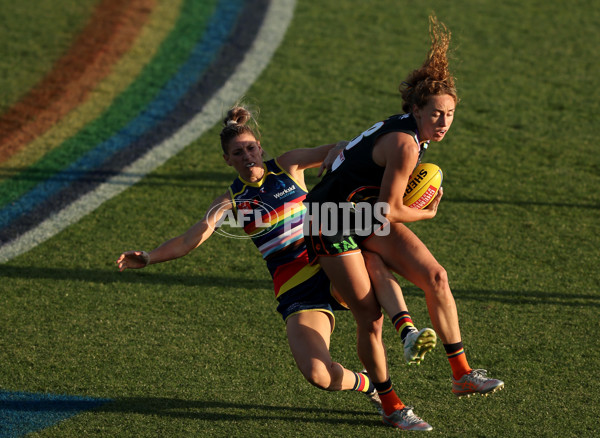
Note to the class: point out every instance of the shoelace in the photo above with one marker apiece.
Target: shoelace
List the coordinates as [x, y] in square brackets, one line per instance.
[409, 415]
[479, 376]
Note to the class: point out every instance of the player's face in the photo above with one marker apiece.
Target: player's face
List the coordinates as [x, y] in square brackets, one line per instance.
[435, 118]
[245, 156]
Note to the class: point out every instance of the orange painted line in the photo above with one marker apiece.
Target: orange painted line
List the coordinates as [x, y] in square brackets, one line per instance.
[108, 35]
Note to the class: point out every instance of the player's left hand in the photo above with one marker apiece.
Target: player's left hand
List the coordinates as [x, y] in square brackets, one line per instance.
[436, 201]
[132, 260]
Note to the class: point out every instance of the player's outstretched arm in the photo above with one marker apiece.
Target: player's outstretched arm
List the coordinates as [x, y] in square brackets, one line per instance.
[306, 158]
[181, 245]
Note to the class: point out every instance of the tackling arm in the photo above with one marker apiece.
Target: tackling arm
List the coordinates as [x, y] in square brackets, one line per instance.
[181, 245]
[297, 160]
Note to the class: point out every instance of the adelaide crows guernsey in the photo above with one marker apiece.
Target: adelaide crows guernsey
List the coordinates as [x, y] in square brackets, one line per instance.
[273, 214]
[354, 176]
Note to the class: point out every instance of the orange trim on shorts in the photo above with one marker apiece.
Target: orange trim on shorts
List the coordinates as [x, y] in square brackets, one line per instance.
[322, 241]
[373, 233]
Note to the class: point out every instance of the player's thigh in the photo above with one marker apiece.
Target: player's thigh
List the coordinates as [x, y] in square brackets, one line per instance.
[309, 336]
[405, 254]
[349, 276]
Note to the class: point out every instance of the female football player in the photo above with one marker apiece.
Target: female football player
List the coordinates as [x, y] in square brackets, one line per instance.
[376, 166]
[267, 197]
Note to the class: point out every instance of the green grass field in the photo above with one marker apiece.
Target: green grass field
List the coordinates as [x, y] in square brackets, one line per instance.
[195, 347]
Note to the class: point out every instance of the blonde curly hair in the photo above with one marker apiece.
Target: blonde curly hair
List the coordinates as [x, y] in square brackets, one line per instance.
[433, 77]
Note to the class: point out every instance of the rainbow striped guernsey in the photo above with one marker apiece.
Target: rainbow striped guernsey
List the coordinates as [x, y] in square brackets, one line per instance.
[272, 212]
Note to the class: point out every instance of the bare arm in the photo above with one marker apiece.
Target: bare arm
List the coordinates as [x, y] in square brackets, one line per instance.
[297, 160]
[181, 245]
[398, 152]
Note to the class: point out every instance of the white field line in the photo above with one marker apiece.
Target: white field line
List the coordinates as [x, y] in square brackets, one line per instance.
[277, 20]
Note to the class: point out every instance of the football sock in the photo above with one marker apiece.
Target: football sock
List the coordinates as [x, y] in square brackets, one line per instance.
[389, 399]
[404, 324]
[363, 383]
[458, 359]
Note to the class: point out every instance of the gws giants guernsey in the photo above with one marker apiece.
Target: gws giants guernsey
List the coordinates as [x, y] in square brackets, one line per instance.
[273, 214]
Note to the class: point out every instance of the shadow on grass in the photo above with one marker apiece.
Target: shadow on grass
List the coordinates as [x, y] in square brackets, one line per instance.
[227, 411]
[141, 277]
[520, 297]
[131, 277]
[181, 179]
[528, 297]
[48, 408]
[217, 179]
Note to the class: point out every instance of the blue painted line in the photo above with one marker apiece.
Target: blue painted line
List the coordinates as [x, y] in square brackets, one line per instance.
[217, 33]
[22, 413]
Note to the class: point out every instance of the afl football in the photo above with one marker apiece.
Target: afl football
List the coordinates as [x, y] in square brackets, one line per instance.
[423, 185]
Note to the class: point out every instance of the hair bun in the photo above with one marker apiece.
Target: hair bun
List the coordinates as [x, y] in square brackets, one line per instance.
[238, 115]
[239, 120]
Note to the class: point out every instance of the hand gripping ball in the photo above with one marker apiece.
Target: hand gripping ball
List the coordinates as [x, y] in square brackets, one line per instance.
[423, 185]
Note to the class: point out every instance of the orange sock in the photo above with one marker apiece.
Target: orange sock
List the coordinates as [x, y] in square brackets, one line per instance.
[458, 360]
[390, 401]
